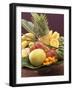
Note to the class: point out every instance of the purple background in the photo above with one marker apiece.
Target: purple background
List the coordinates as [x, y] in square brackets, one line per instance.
[55, 21]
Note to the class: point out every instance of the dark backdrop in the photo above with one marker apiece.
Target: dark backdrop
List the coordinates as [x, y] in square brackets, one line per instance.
[55, 21]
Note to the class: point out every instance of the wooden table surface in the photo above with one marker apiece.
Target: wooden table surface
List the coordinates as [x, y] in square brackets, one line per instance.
[46, 71]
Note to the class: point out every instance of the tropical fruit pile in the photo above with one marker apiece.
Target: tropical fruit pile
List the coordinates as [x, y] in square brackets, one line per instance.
[40, 46]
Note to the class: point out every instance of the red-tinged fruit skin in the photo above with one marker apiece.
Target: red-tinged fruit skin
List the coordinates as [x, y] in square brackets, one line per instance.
[39, 45]
[32, 48]
[51, 53]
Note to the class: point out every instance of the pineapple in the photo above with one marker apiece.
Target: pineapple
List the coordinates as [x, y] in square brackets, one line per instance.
[38, 26]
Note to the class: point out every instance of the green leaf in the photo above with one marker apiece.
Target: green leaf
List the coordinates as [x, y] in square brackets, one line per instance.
[29, 26]
[26, 63]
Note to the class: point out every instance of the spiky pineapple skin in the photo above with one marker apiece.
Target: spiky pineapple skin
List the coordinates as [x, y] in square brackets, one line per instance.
[45, 39]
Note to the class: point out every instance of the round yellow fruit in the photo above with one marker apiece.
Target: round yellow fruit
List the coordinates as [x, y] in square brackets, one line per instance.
[37, 57]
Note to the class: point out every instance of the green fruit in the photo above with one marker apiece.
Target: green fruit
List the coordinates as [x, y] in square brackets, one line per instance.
[37, 57]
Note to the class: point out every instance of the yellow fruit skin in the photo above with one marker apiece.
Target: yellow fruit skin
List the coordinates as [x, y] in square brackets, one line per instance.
[25, 52]
[45, 39]
[30, 35]
[31, 44]
[55, 35]
[54, 43]
[37, 57]
[24, 44]
[51, 39]
[23, 38]
[27, 37]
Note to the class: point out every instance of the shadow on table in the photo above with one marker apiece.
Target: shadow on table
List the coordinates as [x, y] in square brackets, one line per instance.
[53, 70]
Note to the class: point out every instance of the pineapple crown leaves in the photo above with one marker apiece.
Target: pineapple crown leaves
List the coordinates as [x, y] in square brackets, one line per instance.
[27, 25]
[40, 24]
